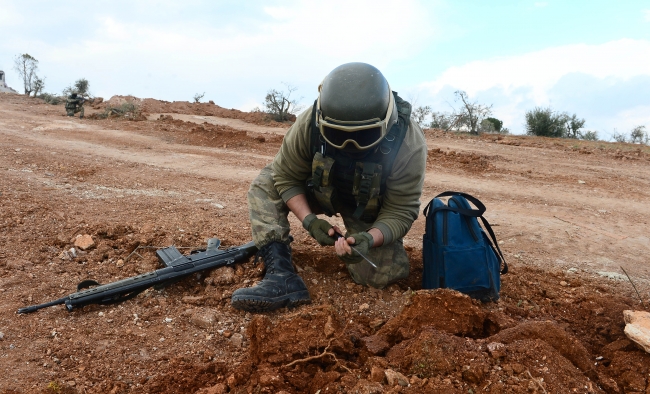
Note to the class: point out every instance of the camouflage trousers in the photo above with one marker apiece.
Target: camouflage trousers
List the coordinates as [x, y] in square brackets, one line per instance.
[269, 223]
[72, 111]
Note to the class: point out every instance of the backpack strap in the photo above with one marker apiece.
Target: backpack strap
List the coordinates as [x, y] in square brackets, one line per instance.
[487, 226]
[477, 213]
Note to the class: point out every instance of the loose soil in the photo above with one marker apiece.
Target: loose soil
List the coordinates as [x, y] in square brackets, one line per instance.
[569, 215]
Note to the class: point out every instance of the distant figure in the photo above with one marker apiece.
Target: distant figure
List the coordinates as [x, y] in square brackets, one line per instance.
[75, 104]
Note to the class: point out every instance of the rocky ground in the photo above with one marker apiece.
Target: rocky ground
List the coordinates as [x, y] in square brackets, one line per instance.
[570, 215]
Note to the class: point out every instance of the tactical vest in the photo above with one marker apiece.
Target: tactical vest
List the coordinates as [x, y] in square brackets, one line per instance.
[361, 183]
[71, 103]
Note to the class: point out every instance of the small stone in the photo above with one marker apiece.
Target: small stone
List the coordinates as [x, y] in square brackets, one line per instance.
[227, 334]
[377, 374]
[237, 340]
[518, 368]
[72, 252]
[101, 314]
[203, 320]
[168, 320]
[192, 299]
[120, 263]
[222, 276]
[376, 323]
[2, 335]
[581, 182]
[329, 327]
[563, 284]
[496, 349]
[394, 377]
[375, 344]
[84, 242]
[363, 307]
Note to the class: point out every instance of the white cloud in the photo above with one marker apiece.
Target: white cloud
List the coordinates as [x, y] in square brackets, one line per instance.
[515, 84]
[297, 43]
[540, 70]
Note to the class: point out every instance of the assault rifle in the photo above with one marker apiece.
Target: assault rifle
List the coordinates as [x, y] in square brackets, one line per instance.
[177, 267]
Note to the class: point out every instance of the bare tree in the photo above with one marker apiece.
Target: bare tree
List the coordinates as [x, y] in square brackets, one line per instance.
[26, 66]
[279, 103]
[472, 113]
[442, 120]
[198, 97]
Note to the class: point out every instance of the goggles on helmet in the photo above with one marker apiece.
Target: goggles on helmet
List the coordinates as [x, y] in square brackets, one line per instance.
[363, 134]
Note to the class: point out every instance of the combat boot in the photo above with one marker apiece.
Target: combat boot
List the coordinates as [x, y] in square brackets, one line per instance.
[280, 287]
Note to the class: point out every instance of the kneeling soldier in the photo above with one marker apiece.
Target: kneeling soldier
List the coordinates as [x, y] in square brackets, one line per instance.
[356, 153]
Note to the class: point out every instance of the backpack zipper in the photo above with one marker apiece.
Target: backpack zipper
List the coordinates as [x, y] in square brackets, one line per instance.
[444, 227]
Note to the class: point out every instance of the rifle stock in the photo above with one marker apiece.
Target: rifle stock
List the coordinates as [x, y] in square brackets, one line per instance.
[177, 266]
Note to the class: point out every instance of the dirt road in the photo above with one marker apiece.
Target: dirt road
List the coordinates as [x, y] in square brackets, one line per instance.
[568, 215]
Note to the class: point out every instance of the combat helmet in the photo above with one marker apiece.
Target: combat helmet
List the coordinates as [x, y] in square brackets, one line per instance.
[355, 107]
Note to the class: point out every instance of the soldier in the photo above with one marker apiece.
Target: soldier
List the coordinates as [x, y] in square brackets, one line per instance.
[356, 153]
[74, 104]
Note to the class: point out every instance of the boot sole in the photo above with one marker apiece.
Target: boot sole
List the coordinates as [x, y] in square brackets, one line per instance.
[265, 304]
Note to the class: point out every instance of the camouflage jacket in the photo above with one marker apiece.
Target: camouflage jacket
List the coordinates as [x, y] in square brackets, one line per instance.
[292, 166]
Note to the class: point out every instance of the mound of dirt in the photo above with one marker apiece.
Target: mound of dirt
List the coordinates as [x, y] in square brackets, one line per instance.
[466, 161]
[150, 105]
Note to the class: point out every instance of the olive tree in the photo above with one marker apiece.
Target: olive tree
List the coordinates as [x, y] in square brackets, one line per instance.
[81, 86]
[420, 114]
[638, 135]
[26, 66]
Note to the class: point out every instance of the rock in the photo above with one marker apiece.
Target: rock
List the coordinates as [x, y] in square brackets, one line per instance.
[473, 374]
[377, 374]
[218, 388]
[2, 335]
[329, 327]
[377, 323]
[496, 349]
[269, 380]
[203, 320]
[120, 263]
[363, 307]
[237, 340]
[375, 344]
[637, 328]
[394, 377]
[223, 276]
[192, 299]
[365, 387]
[84, 242]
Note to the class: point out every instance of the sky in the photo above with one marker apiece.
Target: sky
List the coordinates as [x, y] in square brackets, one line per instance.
[585, 57]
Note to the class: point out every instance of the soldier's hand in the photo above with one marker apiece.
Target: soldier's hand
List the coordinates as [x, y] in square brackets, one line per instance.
[362, 242]
[319, 229]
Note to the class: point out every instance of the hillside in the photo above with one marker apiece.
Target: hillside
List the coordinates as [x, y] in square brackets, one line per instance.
[568, 214]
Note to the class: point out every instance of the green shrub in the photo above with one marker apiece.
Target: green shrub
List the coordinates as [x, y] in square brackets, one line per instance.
[51, 98]
[543, 122]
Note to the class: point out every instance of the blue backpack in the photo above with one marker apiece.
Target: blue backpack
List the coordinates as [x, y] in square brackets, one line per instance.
[456, 251]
